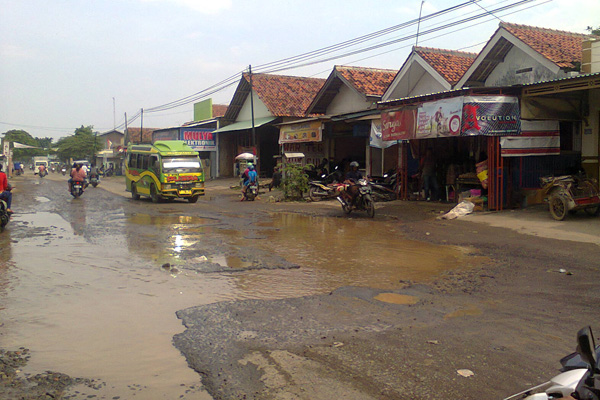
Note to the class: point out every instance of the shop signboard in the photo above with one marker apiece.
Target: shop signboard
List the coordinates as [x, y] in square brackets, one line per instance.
[491, 116]
[310, 131]
[199, 139]
[376, 136]
[398, 124]
[439, 118]
[538, 138]
[313, 152]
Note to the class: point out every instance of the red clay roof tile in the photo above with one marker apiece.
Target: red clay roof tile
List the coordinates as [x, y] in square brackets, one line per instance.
[134, 135]
[561, 47]
[450, 64]
[285, 96]
[368, 81]
[218, 110]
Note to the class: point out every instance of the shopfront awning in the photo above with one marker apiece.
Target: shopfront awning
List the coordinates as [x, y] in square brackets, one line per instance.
[242, 125]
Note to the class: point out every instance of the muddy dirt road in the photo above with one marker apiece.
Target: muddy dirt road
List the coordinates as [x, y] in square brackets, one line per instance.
[283, 301]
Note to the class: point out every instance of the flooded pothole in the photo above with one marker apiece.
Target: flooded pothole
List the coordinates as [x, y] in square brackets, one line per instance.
[395, 298]
[343, 252]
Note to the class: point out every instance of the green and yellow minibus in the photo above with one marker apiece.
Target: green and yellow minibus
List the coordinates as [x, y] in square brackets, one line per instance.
[167, 169]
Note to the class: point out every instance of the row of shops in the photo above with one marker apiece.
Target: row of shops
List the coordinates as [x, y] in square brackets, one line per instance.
[492, 142]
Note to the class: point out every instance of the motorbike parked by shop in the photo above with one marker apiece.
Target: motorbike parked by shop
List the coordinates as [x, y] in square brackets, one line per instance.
[579, 378]
[569, 193]
[358, 197]
[77, 188]
[386, 187]
[326, 187]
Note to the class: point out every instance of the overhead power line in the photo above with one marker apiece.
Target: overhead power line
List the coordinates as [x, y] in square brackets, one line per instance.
[312, 57]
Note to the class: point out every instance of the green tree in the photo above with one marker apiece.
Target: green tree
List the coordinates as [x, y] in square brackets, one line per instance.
[83, 144]
[23, 137]
[594, 31]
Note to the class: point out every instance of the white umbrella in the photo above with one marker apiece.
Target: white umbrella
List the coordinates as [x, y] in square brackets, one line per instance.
[245, 156]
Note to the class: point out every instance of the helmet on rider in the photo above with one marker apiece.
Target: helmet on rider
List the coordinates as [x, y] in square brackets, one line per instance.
[354, 164]
[250, 166]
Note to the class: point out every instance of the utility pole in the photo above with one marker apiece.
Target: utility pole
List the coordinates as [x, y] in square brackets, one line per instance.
[142, 126]
[126, 138]
[252, 112]
[114, 115]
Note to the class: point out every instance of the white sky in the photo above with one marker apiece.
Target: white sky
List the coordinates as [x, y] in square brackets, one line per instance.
[63, 61]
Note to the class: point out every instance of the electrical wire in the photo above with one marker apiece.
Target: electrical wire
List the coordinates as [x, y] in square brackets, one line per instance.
[296, 61]
[404, 38]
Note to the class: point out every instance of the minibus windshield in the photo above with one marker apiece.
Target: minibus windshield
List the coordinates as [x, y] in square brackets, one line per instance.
[177, 165]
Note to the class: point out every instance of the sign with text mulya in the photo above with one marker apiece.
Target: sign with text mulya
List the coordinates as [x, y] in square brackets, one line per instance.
[199, 139]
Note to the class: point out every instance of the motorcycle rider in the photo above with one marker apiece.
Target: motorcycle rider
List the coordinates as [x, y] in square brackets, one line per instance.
[352, 177]
[42, 170]
[249, 176]
[77, 175]
[5, 189]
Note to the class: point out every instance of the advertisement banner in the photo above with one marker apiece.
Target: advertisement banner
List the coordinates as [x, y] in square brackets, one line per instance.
[199, 139]
[300, 133]
[491, 116]
[538, 138]
[376, 136]
[439, 118]
[398, 125]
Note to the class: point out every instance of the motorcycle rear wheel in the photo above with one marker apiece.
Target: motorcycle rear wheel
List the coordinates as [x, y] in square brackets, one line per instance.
[558, 207]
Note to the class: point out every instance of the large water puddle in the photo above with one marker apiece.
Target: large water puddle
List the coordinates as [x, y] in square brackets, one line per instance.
[108, 312]
[335, 252]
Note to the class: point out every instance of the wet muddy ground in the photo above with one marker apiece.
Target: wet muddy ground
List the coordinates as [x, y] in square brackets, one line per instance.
[280, 300]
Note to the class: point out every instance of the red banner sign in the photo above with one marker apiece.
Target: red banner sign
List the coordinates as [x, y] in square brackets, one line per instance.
[398, 125]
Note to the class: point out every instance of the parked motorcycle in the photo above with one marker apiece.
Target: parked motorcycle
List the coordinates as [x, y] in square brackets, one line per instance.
[386, 187]
[94, 180]
[76, 189]
[326, 187]
[570, 193]
[361, 197]
[4, 215]
[579, 378]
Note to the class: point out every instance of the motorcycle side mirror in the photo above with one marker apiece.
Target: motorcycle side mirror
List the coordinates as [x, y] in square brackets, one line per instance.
[586, 347]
